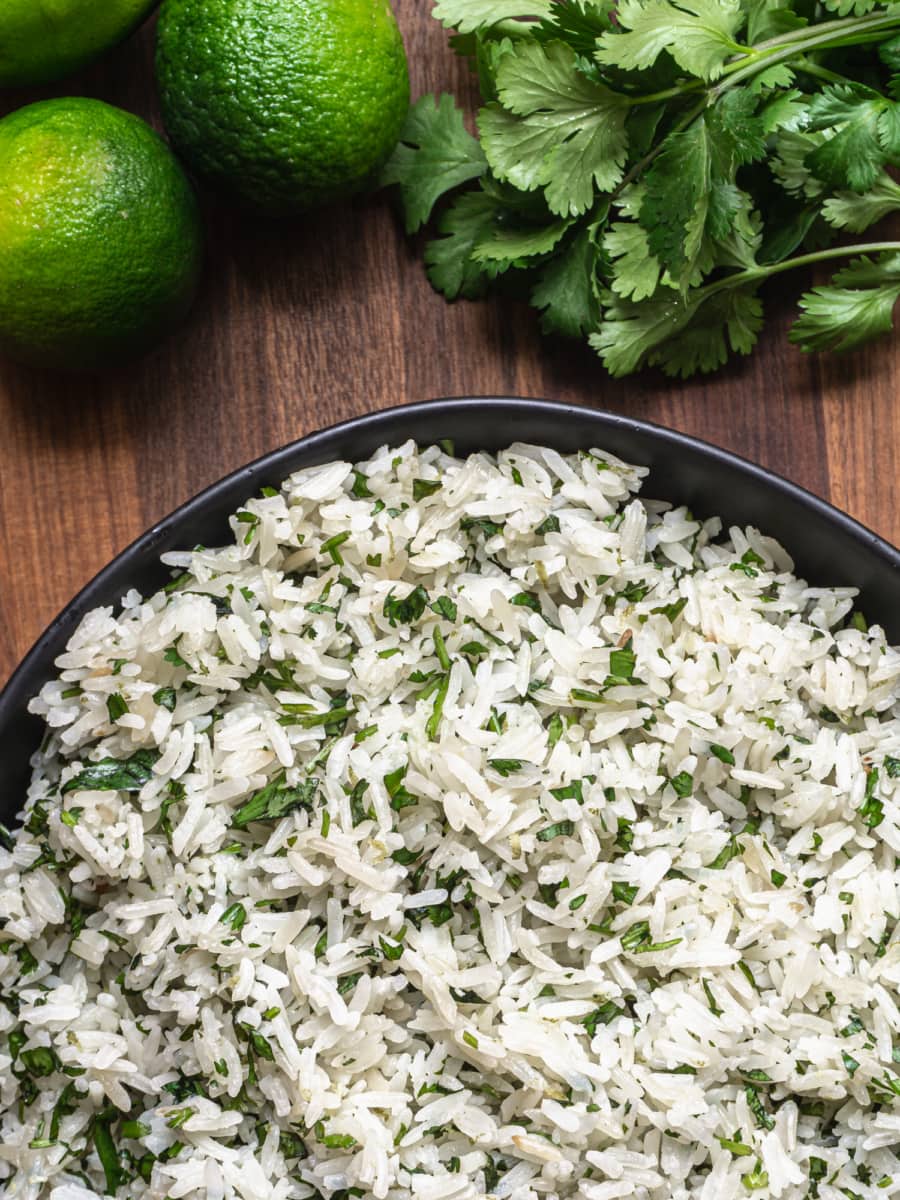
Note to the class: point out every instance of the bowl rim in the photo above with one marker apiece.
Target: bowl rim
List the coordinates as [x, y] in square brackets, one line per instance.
[21, 686]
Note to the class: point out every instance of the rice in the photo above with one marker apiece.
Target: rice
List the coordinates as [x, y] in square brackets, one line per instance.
[464, 828]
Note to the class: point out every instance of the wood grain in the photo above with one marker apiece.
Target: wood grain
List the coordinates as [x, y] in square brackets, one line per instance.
[301, 325]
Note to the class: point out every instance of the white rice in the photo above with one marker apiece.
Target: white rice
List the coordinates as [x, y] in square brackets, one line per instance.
[618, 920]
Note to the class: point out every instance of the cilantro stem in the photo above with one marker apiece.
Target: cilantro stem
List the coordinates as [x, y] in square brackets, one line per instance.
[752, 275]
[763, 55]
[802, 260]
[672, 93]
[818, 72]
[837, 26]
[829, 35]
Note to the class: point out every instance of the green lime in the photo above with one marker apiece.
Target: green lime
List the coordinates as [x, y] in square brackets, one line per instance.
[42, 40]
[282, 104]
[100, 235]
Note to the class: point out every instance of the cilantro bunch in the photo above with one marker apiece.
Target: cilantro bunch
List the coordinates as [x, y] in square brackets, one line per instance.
[643, 167]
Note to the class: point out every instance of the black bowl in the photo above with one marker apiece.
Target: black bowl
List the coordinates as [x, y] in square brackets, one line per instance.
[828, 546]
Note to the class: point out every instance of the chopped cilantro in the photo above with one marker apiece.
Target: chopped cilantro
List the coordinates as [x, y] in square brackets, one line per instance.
[624, 893]
[404, 857]
[682, 784]
[604, 1015]
[360, 486]
[560, 829]
[711, 1000]
[408, 610]
[235, 916]
[872, 809]
[165, 698]
[735, 1146]
[482, 524]
[850, 1063]
[732, 849]
[331, 547]
[399, 796]
[622, 662]
[757, 1108]
[506, 766]
[722, 754]
[624, 834]
[274, 801]
[671, 611]
[358, 811]
[570, 791]
[114, 774]
[392, 950]
[526, 600]
[555, 730]
[444, 607]
[425, 487]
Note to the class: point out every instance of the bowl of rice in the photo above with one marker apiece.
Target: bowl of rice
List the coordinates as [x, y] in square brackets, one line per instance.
[485, 798]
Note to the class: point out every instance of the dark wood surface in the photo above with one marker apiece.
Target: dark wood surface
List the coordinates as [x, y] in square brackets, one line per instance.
[330, 316]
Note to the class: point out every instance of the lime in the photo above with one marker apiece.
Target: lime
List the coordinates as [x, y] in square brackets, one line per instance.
[282, 104]
[100, 236]
[42, 40]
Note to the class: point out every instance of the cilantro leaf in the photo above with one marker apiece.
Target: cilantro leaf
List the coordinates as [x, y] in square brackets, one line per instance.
[872, 809]
[681, 336]
[722, 753]
[844, 8]
[786, 110]
[449, 258]
[699, 34]
[756, 1106]
[567, 290]
[767, 19]
[682, 783]
[636, 271]
[789, 162]
[468, 15]
[690, 196]
[858, 305]
[434, 155]
[578, 22]
[855, 212]
[569, 137]
[509, 244]
[866, 135]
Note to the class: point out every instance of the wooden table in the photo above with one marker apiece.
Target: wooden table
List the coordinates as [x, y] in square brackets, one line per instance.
[331, 316]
